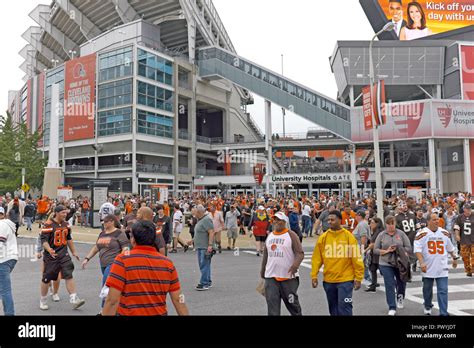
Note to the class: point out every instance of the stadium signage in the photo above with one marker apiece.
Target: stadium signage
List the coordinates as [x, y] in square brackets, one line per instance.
[311, 178]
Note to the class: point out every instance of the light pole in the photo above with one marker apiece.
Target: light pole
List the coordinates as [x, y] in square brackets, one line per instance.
[378, 170]
[283, 109]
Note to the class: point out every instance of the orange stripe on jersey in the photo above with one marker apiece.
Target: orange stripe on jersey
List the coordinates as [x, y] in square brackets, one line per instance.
[421, 236]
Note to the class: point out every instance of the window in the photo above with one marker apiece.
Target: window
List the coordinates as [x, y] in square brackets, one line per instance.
[115, 94]
[154, 124]
[116, 64]
[113, 122]
[155, 68]
[155, 97]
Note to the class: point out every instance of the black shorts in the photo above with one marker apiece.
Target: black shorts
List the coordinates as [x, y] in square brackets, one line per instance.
[260, 238]
[52, 267]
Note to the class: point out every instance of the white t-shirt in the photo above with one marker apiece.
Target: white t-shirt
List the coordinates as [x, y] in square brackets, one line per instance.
[435, 247]
[306, 210]
[178, 221]
[8, 242]
[106, 209]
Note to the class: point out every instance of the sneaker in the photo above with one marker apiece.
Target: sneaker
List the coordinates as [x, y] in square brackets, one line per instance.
[392, 312]
[469, 274]
[377, 285]
[56, 298]
[201, 287]
[371, 289]
[210, 285]
[77, 302]
[400, 303]
[44, 305]
[366, 282]
[174, 251]
[186, 247]
[228, 248]
[427, 311]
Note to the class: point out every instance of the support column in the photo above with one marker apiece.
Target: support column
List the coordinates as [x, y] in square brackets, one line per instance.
[432, 160]
[392, 155]
[268, 143]
[467, 167]
[439, 168]
[354, 171]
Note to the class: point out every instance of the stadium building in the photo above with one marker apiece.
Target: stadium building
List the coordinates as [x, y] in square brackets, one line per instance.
[169, 96]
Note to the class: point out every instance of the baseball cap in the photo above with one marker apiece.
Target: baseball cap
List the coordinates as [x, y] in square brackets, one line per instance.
[261, 207]
[60, 208]
[281, 216]
[2, 210]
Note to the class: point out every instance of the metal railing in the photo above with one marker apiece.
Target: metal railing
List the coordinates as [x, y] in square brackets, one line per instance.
[183, 134]
[116, 166]
[304, 136]
[154, 168]
[79, 168]
[210, 141]
[313, 169]
[184, 171]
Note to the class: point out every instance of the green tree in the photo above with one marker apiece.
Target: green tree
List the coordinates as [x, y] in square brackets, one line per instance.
[19, 149]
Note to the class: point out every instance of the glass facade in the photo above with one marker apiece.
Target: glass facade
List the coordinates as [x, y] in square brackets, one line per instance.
[114, 122]
[155, 68]
[53, 77]
[154, 97]
[154, 124]
[116, 64]
[114, 94]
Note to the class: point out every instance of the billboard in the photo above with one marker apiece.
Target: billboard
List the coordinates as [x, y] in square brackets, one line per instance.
[79, 98]
[467, 75]
[419, 120]
[421, 18]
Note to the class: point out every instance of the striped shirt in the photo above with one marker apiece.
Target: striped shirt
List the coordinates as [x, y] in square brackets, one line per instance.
[144, 277]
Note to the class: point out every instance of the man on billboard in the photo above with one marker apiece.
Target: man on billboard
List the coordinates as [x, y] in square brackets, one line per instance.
[395, 10]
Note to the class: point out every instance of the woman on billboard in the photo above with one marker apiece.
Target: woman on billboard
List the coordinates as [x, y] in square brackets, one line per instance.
[416, 27]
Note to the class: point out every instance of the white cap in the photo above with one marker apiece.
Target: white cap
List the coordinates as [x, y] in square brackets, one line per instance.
[281, 215]
[261, 207]
[2, 210]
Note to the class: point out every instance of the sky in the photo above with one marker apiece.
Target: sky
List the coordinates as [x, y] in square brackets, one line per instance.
[304, 31]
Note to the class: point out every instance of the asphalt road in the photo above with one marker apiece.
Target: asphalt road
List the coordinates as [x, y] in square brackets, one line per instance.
[235, 277]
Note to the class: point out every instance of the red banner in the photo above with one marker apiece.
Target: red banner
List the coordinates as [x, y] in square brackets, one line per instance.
[258, 173]
[368, 120]
[364, 174]
[467, 60]
[79, 98]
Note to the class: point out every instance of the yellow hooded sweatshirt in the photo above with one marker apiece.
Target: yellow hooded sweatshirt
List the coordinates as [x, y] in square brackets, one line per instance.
[340, 254]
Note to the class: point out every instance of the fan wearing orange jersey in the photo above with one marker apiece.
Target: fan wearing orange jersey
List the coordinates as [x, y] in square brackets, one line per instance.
[349, 218]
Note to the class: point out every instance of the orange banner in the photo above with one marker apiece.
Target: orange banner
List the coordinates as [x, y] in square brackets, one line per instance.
[439, 16]
[79, 98]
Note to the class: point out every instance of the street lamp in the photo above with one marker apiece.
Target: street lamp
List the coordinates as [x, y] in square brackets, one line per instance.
[378, 171]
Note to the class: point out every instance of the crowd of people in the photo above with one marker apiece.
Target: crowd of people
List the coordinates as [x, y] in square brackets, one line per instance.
[139, 236]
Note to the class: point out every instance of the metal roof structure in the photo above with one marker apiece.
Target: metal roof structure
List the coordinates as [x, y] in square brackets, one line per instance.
[65, 25]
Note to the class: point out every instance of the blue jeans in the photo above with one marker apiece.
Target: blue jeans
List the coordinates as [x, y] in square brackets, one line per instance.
[366, 271]
[442, 287]
[6, 269]
[306, 224]
[29, 222]
[339, 297]
[204, 267]
[85, 218]
[105, 275]
[391, 278]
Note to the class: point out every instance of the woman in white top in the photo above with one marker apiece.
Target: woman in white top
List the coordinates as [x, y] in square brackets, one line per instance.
[416, 27]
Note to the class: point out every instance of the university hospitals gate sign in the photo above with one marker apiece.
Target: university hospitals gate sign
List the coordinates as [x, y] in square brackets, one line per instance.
[311, 178]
